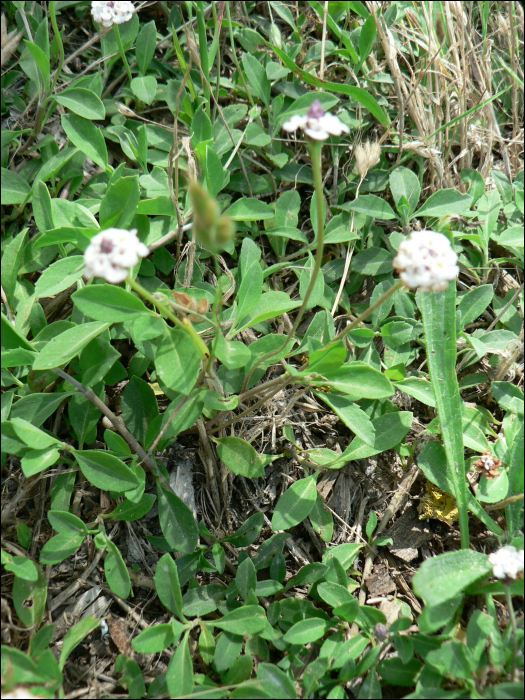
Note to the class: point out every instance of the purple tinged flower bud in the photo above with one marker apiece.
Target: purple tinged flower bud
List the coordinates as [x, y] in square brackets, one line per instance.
[316, 111]
[380, 632]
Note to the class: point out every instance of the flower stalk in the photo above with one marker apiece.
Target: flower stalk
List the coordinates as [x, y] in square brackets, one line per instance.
[122, 52]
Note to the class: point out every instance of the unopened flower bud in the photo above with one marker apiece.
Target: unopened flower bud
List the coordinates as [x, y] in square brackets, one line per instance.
[212, 230]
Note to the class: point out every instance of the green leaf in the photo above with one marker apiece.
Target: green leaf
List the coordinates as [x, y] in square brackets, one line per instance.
[295, 504]
[275, 681]
[96, 360]
[445, 203]
[270, 305]
[249, 209]
[42, 210]
[308, 574]
[60, 547]
[177, 522]
[154, 639]
[119, 204]
[87, 137]
[438, 311]
[250, 290]
[129, 511]
[390, 430]
[240, 670]
[405, 183]
[64, 347]
[250, 619]
[307, 631]
[116, 572]
[168, 586]
[22, 567]
[106, 302]
[139, 407]
[357, 379]
[36, 408]
[371, 524]
[179, 676]
[202, 600]
[36, 461]
[451, 659]
[367, 36]
[42, 62]
[248, 532]
[512, 237]
[257, 79]
[473, 304]
[144, 88]
[15, 189]
[75, 635]
[64, 522]
[11, 261]
[145, 46]
[441, 578]
[33, 437]
[234, 354]
[351, 415]
[217, 177]
[246, 578]
[176, 361]
[29, 598]
[418, 387]
[59, 276]
[371, 205]
[82, 102]
[240, 457]
[372, 261]
[105, 471]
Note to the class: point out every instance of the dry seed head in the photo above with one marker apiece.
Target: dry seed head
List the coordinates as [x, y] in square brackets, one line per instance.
[503, 25]
[366, 157]
[192, 167]
[192, 47]
[440, 30]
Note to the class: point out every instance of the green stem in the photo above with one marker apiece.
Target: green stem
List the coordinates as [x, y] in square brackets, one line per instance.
[366, 313]
[122, 52]
[512, 618]
[165, 311]
[314, 148]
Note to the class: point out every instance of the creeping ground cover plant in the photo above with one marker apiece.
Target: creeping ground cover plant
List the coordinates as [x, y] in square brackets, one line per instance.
[262, 350]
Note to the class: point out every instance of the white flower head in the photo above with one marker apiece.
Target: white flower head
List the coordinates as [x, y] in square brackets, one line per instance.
[112, 253]
[317, 124]
[507, 563]
[109, 13]
[426, 260]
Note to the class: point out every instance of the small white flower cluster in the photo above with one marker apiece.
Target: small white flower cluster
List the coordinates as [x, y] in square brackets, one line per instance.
[109, 13]
[426, 260]
[507, 562]
[317, 124]
[112, 253]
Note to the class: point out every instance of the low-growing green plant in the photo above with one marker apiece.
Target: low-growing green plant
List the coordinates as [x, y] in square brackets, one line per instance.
[134, 310]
